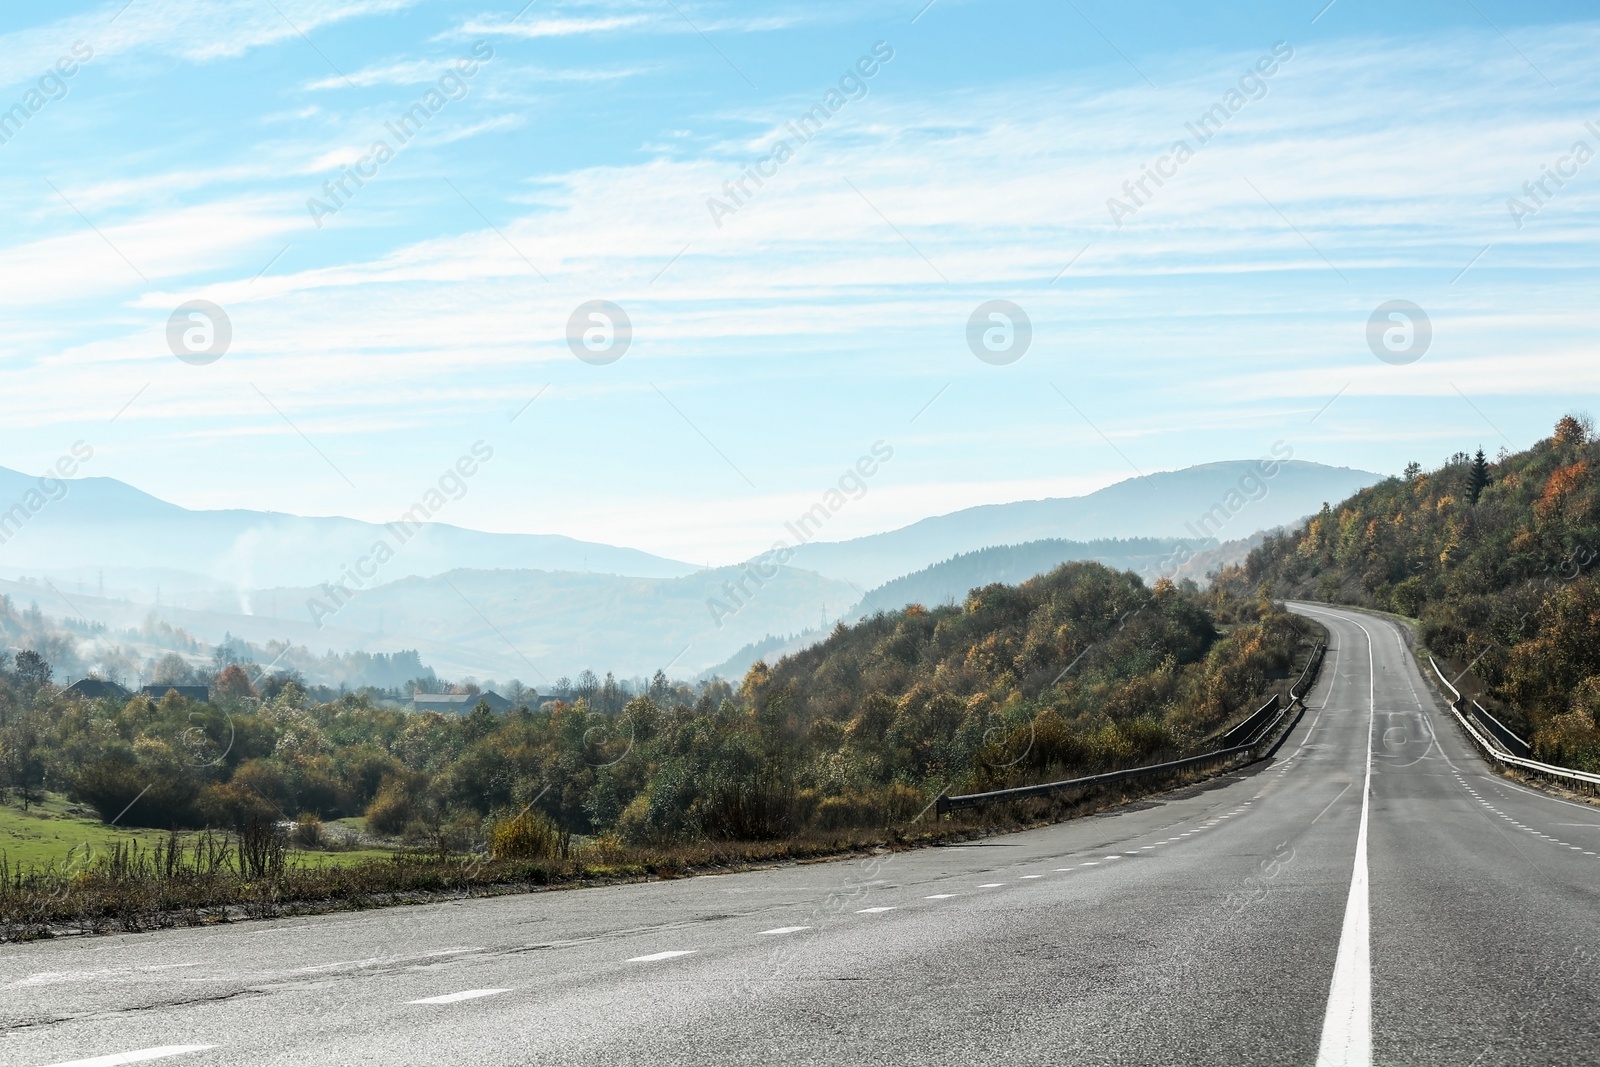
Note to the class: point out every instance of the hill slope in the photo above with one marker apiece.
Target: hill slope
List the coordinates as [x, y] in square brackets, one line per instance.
[1498, 561]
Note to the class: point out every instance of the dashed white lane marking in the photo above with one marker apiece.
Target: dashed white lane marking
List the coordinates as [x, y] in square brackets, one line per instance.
[1026, 877]
[1090, 863]
[874, 911]
[790, 929]
[991, 885]
[452, 998]
[138, 1056]
[1524, 827]
[1062, 870]
[654, 956]
[940, 896]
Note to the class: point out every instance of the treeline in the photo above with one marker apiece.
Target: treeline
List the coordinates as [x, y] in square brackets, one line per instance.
[1498, 561]
[76, 647]
[948, 582]
[1074, 671]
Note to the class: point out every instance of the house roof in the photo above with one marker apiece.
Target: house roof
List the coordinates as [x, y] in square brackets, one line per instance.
[459, 702]
[97, 687]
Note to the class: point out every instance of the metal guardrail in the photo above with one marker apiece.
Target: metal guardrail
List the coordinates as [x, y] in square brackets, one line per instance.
[1257, 728]
[1308, 676]
[1581, 780]
[1250, 728]
[1502, 733]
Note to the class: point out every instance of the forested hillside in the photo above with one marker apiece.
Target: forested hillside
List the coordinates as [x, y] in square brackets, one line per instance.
[1081, 668]
[1497, 560]
[1077, 670]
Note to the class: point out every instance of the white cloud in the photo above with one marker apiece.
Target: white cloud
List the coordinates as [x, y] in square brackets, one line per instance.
[492, 125]
[195, 30]
[1205, 310]
[552, 27]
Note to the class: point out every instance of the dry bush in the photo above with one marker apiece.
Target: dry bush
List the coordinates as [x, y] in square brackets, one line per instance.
[529, 836]
[308, 830]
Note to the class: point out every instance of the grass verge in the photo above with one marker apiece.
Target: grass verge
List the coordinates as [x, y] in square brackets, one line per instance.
[192, 880]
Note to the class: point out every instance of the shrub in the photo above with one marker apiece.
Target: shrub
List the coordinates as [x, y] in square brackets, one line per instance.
[895, 804]
[308, 830]
[393, 808]
[529, 836]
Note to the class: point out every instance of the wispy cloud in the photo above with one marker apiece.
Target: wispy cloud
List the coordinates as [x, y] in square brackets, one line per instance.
[1208, 307]
[552, 27]
[194, 30]
[492, 125]
[426, 71]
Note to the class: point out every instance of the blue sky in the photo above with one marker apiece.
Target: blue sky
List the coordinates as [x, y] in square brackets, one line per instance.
[830, 309]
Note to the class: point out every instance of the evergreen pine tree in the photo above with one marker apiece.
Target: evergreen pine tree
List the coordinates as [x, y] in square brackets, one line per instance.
[1478, 478]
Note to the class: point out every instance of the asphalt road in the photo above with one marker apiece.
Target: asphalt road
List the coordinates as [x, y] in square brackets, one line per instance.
[1371, 894]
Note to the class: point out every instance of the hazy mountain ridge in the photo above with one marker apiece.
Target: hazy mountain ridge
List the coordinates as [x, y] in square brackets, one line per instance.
[1225, 500]
[267, 577]
[93, 523]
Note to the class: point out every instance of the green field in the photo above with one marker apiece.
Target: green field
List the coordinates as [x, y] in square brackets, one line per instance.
[47, 833]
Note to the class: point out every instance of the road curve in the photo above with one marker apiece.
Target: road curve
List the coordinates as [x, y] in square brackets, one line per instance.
[1224, 924]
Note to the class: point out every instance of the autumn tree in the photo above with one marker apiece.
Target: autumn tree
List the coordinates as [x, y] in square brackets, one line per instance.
[234, 682]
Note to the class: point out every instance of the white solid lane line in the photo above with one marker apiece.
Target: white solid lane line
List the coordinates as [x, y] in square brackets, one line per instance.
[785, 930]
[654, 956]
[874, 911]
[134, 1057]
[452, 998]
[1347, 1026]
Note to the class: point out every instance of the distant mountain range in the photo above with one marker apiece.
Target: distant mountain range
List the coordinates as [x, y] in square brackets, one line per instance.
[1225, 501]
[537, 606]
[104, 523]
